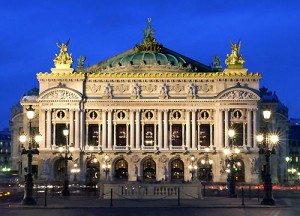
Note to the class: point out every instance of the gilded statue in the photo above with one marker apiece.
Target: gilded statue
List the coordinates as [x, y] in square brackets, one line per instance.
[235, 60]
[63, 59]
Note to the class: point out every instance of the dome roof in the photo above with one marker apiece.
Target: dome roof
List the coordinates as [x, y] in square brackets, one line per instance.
[150, 53]
[148, 58]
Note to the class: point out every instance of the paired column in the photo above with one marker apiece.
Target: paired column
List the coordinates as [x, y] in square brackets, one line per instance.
[132, 129]
[77, 129]
[109, 129]
[71, 114]
[254, 129]
[160, 129]
[226, 128]
[42, 128]
[249, 128]
[104, 129]
[138, 130]
[49, 129]
[166, 122]
[188, 129]
[194, 129]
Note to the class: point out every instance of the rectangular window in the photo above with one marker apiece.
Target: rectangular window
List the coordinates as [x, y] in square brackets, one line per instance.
[204, 135]
[177, 135]
[93, 135]
[121, 135]
[238, 138]
[149, 135]
[60, 139]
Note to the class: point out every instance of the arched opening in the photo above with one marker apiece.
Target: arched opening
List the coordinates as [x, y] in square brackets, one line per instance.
[59, 169]
[239, 168]
[92, 171]
[177, 170]
[205, 169]
[121, 169]
[149, 169]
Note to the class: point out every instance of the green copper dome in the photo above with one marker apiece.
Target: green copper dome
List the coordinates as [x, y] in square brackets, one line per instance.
[147, 58]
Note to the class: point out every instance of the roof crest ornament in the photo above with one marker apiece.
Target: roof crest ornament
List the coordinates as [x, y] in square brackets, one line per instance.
[235, 60]
[149, 43]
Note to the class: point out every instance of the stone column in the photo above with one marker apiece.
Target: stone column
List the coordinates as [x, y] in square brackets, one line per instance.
[170, 137]
[87, 134]
[127, 134]
[49, 129]
[226, 128]
[42, 128]
[143, 136]
[109, 130]
[77, 128]
[188, 129]
[115, 134]
[254, 143]
[54, 134]
[138, 129]
[211, 144]
[198, 134]
[104, 142]
[194, 129]
[132, 129]
[249, 128]
[160, 129]
[99, 134]
[166, 122]
[155, 135]
[244, 135]
[82, 129]
[71, 112]
[183, 136]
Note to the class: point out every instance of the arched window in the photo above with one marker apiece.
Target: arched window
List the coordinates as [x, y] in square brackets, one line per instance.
[121, 169]
[149, 169]
[177, 170]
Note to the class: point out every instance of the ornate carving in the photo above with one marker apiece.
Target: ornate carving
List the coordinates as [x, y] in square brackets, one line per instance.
[122, 88]
[135, 91]
[107, 94]
[239, 94]
[163, 92]
[61, 95]
[191, 91]
[93, 88]
[177, 88]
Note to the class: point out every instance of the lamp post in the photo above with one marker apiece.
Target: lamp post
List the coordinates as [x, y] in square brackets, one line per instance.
[206, 165]
[66, 157]
[106, 166]
[231, 155]
[266, 142]
[287, 159]
[28, 189]
[192, 167]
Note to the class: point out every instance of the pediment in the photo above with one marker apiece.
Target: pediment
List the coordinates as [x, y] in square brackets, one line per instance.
[60, 94]
[239, 94]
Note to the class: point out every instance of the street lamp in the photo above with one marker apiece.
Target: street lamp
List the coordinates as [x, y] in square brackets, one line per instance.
[267, 141]
[106, 166]
[231, 156]
[287, 159]
[206, 165]
[193, 167]
[66, 157]
[28, 189]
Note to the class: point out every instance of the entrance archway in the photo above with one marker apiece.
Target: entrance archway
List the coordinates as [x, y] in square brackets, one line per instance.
[149, 169]
[92, 171]
[177, 170]
[239, 170]
[59, 169]
[121, 169]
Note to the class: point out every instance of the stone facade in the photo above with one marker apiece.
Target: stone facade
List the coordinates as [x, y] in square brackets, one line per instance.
[147, 119]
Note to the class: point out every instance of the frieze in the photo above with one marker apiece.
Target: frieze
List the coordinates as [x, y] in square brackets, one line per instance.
[93, 88]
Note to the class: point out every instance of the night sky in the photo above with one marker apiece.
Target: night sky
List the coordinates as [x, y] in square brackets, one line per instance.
[99, 29]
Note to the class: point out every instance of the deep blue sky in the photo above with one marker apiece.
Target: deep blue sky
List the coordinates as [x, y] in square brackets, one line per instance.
[199, 29]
